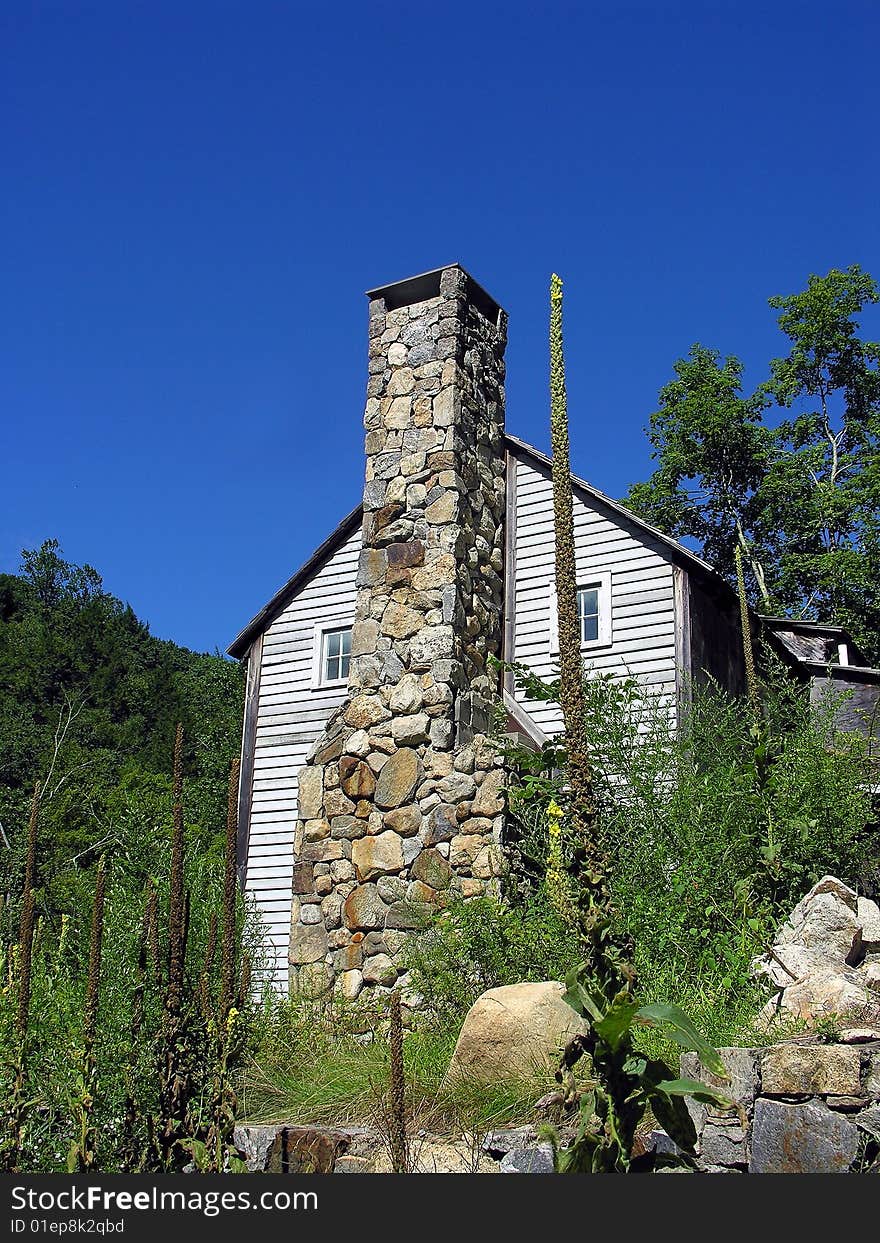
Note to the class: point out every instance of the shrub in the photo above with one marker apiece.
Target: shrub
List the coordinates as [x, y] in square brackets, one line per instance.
[483, 943]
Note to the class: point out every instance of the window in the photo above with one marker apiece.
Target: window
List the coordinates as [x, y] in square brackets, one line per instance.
[594, 612]
[332, 655]
[588, 613]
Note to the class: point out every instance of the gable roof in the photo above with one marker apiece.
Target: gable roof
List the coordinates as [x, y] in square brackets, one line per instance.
[677, 552]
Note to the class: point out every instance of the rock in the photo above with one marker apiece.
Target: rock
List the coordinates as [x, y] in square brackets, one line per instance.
[515, 1032]
[405, 821]
[868, 915]
[825, 920]
[810, 1070]
[407, 695]
[373, 856]
[306, 1150]
[430, 644]
[254, 1145]
[432, 869]
[398, 779]
[351, 984]
[310, 793]
[843, 996]
[379, 969]
[303, 878]
[489, 800]
[537, 1160]
[356, 777]
[499, 1143]
[308, 943]
[457, 788]
[364, 711]
[408, 916]
[364, 909]
[409, 731]
[723, 1143]
[801, 1139]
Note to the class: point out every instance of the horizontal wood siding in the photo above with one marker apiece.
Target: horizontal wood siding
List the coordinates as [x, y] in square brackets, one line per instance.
[642, 591]
[290, 716]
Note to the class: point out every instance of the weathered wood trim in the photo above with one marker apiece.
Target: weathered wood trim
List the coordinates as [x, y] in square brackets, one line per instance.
[683, 671]
[509, 641]
[248, 738]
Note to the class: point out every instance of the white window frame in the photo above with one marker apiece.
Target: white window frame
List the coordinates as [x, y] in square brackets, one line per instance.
[602, 581]
[322, 629]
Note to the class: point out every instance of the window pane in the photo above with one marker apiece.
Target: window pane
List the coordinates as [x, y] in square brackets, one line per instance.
[337, 655]
[588, 608]
[588, 601]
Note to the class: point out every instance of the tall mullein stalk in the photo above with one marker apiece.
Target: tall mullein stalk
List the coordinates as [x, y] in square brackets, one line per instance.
[174, 1071]
[230, 891]
[130, 1108]
[397, 1113]
[205, 983]
[82, 1153]
[609, 955]
[16, 1108]
[748, 649]
[224, 1027]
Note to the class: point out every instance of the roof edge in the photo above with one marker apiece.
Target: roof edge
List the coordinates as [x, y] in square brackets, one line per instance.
[282, 597]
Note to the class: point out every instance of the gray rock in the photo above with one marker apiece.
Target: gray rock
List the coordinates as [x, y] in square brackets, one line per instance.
[536, 1160]
[499, 1143]
[723, 1145]
[801, 1139]
[254, 1143]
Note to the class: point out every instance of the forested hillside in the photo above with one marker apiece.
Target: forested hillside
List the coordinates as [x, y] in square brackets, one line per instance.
[89, 703]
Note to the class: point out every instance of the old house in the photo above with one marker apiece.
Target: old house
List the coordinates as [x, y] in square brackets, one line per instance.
[367, 784]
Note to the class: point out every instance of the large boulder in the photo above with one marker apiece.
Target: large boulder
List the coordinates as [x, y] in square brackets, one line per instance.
[516, 1032]
[817, 964]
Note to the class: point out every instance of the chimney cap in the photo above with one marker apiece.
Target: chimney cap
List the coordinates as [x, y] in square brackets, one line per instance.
[426, 285]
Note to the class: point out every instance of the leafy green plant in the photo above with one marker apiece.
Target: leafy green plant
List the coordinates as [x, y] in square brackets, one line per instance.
[625, 1084]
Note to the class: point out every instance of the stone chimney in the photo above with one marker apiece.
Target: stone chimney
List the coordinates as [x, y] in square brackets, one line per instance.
[400, 802]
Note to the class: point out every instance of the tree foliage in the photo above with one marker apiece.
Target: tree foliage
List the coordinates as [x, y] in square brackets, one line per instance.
[89, 702]
[789, 473]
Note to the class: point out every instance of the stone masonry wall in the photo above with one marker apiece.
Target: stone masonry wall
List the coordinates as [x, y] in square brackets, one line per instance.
[401, 800]
[805, 1107]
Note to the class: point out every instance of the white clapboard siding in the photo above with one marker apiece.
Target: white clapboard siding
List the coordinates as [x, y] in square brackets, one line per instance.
[642, 591]
[290, 716]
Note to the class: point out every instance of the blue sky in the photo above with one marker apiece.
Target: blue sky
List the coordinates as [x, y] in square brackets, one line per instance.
[197, 195]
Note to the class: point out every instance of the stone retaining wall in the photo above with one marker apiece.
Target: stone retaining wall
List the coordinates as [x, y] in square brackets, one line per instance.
[806, 1107]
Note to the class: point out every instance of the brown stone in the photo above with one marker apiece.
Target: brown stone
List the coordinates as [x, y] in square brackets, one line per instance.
[810, 1070]
[303, 878]
[405, 556]
[337, 804]
[405, 820]
[385, 516]
[400, 622]
[398, 779]
[364, 711]
[306, 1150]
[310, 793]
[375, 856]
[356, 777]
[488, 800]
[364, 909]
[308, 943]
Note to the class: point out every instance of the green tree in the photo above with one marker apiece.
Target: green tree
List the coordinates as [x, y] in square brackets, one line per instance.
[799, 497]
